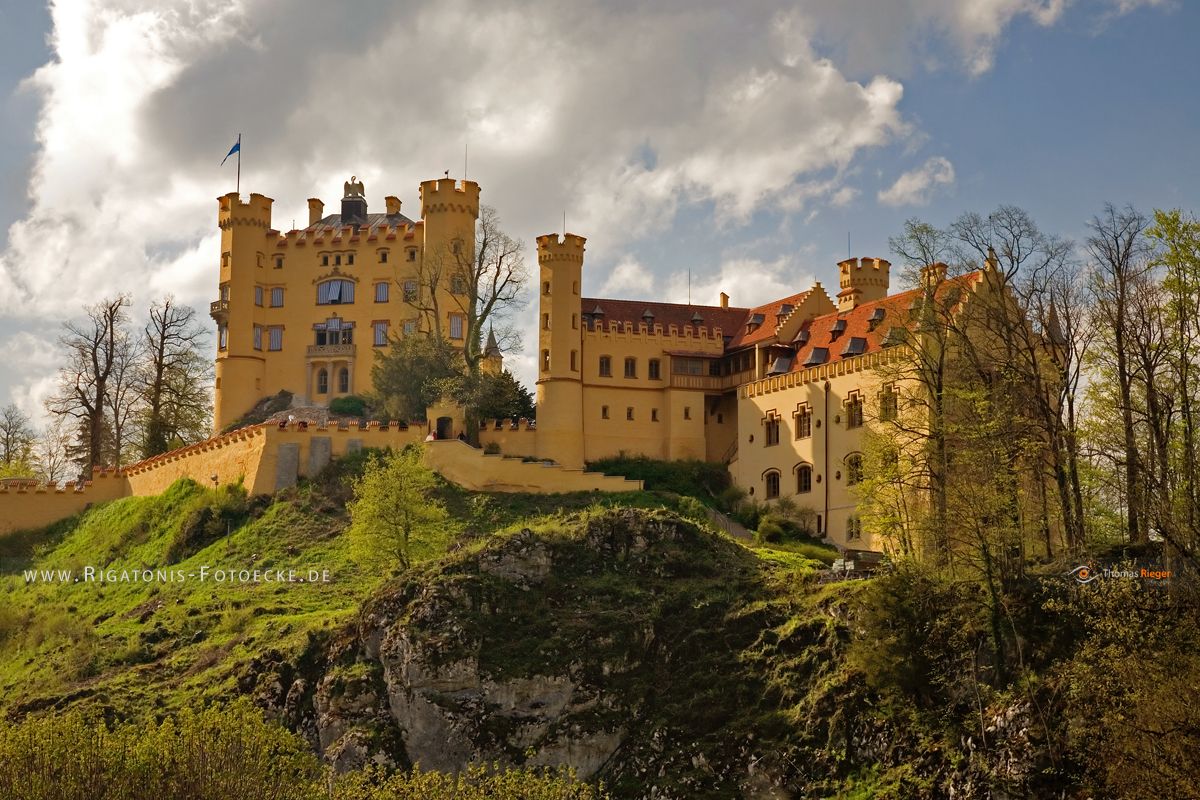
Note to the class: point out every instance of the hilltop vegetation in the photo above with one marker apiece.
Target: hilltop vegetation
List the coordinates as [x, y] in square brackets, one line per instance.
[617, 633]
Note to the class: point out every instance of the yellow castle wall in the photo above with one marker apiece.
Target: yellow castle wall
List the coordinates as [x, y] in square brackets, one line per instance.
[475, 470]
[24, 505]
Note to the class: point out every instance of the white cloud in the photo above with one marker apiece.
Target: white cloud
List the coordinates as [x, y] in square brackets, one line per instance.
[628, 278]
[28, 357]
[747, 281]
[915, 187]
[620, 114]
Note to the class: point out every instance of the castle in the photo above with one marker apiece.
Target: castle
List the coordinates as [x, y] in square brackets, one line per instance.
[303, 312]
[780, 392]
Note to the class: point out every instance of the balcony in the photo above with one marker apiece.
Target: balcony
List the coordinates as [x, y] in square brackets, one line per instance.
[331, 351]
[219, 310]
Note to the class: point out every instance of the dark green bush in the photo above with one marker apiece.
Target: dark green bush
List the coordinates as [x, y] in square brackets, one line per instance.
[349, 406]
[701, 479]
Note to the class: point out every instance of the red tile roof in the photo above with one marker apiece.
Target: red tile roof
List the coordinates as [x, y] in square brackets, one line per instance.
[771, 319]
[895, 313]
[665, 314]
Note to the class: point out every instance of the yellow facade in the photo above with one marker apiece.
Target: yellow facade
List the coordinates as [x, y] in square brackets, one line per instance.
[306, 310]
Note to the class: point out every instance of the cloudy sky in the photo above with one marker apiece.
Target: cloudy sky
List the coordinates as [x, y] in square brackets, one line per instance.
[744, 142]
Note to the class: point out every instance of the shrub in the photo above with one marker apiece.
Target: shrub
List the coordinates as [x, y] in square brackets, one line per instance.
[692, 477]
[491, 448]
[349, 406]
[769, 530]
[477, 783]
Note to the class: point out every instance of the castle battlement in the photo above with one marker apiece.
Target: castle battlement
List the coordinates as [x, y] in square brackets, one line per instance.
[448, 194]
[569, 248]
[231, 211]
[509, 424]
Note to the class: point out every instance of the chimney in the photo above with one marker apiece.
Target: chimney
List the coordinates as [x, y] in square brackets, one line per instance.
[393, 205]
[933, 274]
[724, 300]
[316, 210]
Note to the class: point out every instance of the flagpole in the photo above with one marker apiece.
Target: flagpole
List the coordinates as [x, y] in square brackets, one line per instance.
[239, 169]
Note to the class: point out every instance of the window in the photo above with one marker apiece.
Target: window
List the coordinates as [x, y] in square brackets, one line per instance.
[603, 412]
[772, 478]
[804, 479]
[456, 326]
[410, 291]
[381, 333]
[688, 366]
[854, 411]
[278, 262]
[853, 528]
[258, 337]
[854, 469]
[574, 287]
[545, 322]
[687, 412]
[337, 260]
[410, 327]
[222, 337]
[275, 338]
[654, 415]
[325, 260]
[545, 287]
[629, 413]
[323, 381]
[889, 403]
[803, 422]
[277, 297]
[574, 322]
[343, 380]
[381, 292]
[258, 295]
[458, 285]
[225, 292]
[336, 292]
[574, 361]
[334, 331]
[772, 437]
[412, 254]
[545, 361]
[383, 256]
[605, 366]
[654, 370]
[350, 259]
[631, 368]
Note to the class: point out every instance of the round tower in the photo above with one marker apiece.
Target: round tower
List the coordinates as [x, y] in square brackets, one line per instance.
[560, 351]
[449, 209]
[239, 366]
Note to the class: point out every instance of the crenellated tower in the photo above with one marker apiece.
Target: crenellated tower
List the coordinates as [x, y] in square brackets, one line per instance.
[239, 366]
[862, 281]
[559, 385]
[450, 209]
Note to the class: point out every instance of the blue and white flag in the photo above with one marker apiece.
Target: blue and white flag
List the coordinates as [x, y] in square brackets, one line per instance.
[237, 148]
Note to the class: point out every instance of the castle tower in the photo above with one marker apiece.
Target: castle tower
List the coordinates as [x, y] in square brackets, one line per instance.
[560, 351]
[239, 366]
[450, 209]
[862, 281]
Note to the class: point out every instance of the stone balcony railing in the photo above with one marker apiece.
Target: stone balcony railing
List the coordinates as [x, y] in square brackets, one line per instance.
[219, 310]
[331, 351]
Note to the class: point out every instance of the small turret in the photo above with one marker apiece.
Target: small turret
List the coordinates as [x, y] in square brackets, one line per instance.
[560, 342]
[862, 281]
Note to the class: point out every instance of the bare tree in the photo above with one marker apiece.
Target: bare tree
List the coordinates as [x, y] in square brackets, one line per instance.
[93, 351]
[1118, 251]
[16, 435]
[484, 287]
[51, 452]
[174, 379]
[123, 399]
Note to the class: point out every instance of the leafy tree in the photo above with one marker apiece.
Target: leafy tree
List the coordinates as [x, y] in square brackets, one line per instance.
[410, 376]
[394, 512]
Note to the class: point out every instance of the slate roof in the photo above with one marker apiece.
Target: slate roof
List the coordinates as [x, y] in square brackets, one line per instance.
[333, 222]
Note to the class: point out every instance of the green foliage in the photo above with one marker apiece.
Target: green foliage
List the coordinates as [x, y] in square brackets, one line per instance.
[703, 480]
[411, 375]
[497, 396]
[480, 782]
[212, 754]
[492, 448]
[226, 510]
[394, 512]
[350, 405]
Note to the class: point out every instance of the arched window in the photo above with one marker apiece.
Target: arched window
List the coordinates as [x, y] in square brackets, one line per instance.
[335, 292]
[854, 468]
[343, 380]
[804, 479]
[772, 480]
[322, 381]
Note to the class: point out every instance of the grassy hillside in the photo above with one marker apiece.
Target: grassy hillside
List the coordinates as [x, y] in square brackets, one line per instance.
[133, 646]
